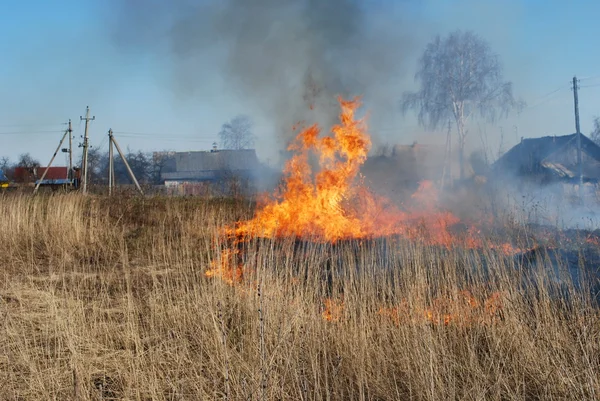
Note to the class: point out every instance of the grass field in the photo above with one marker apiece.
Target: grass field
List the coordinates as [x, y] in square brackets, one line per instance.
[108, 299]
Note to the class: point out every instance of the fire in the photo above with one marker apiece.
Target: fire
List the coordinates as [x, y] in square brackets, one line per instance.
[223, 269]
[463, 309]
[312, 204]
[331, 202]
[333, 310]
[595, 241]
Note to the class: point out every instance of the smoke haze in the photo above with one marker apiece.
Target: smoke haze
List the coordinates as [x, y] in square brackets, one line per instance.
[281, 57]
[186, 66]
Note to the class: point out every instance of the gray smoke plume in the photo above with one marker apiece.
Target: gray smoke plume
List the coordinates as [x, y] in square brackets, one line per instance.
[281, 57]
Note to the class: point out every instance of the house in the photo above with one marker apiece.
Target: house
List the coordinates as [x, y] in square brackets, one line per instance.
[551, 159]
[54, 176]
[200, 172]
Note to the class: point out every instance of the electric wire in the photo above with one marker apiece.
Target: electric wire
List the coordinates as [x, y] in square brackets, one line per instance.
[157, 134]
[102, 144]
[31, 125]
[29, 132]
[545, 98]
[589, 78]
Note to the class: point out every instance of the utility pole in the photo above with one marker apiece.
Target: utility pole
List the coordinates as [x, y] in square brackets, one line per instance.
[84, 163]
[113, 141]
[578, 132]
[70, 174]
[111, 166]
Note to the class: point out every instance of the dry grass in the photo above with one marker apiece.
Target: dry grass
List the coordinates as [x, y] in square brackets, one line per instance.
[107, 299]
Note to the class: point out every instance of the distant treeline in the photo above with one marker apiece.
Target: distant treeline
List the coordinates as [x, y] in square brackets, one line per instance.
[146, 166]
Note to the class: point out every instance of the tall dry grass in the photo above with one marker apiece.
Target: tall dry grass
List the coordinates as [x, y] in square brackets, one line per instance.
[107, 299]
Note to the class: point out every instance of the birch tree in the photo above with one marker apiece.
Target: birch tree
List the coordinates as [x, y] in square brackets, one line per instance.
[237, 133]
[460, 78]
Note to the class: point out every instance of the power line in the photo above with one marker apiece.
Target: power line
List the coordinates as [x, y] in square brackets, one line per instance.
[165, 137]
[28, 132]
[547, 97]
[140, 133]
[146, 134]
[31, 125]
[179, 140]
[553, 92]
[590, 77]
[103, 143]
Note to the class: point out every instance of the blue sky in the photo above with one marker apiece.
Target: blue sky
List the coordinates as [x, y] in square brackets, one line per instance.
[59, 56]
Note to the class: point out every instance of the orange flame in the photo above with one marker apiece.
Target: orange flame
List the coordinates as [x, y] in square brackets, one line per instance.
[464, 309]
[224, 267]
[331, 204]
[333, 310]
[311, 204]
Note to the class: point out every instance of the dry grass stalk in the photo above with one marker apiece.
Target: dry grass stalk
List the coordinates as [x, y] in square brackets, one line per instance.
[109, 299]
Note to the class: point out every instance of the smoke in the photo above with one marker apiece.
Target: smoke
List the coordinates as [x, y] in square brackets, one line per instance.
[286, 60]
[559, 205]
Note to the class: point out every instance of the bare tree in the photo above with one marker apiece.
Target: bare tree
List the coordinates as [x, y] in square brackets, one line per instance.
[97, 166]
[27, 161]
[162, 162]
[25, 168]
[5, 168]
[141, 165]
[4, 163]
[460, 78]
[237, 133]
[595, 134]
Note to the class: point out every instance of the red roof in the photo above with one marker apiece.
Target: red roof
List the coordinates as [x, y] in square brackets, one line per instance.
[54, 173]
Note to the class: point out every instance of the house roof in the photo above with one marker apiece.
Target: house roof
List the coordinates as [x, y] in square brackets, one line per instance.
[54, 173]
[209, 165]
[244, 159]
[554, 155]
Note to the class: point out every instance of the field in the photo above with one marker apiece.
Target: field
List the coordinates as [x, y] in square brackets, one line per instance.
[106, 298]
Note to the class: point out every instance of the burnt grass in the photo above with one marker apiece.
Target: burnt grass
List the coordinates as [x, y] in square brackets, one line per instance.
[567, 257]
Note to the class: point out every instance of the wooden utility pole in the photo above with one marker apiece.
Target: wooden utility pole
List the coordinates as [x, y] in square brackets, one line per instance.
[50, 163]
[578, 133]
[84, 164]
[114, 141]
[70, 173]
[111, 165]
[111, 170]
